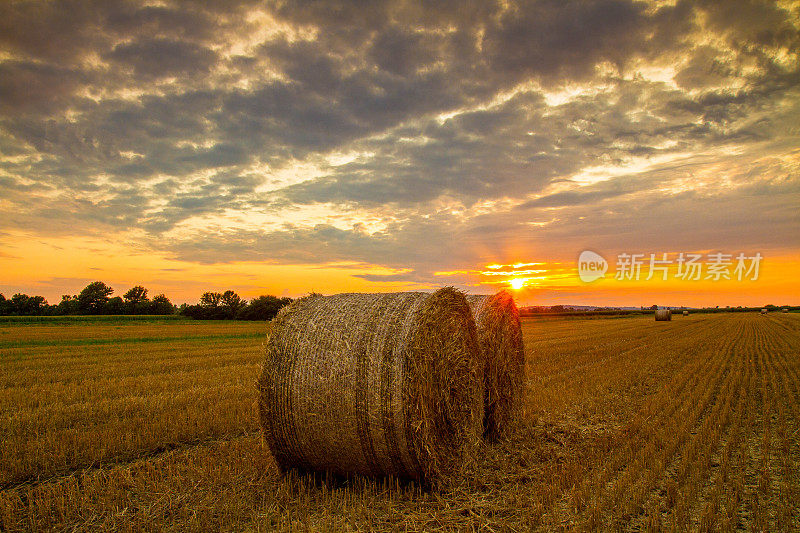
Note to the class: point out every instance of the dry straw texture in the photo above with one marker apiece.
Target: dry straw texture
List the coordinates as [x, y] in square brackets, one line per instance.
[377, 384]
[663, 314]
[500, 337]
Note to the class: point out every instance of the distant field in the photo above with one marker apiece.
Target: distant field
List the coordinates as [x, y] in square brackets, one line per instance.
[94, 319]
[628, 424]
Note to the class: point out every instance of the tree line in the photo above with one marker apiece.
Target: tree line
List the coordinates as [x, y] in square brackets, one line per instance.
[229, 305]
[96, 299]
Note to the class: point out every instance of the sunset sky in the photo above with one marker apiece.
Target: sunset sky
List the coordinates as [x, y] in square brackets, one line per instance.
[283, 148]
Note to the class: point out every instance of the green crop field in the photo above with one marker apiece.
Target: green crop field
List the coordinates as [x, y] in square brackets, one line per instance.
[627, 424]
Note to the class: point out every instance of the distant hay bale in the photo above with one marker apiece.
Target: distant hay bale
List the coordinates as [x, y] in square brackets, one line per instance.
[663, 314]
[764, 311]
[784, 310]
[686, 313]
[376, 384]
[500, 338]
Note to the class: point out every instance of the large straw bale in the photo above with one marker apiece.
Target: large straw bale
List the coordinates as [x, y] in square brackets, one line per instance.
[376, 384]
[663, 314]
[500, 337]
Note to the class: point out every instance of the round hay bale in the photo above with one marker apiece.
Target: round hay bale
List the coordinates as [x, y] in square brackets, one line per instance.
[663, 314]
[375, 384]
[686, 313]
[500, 338]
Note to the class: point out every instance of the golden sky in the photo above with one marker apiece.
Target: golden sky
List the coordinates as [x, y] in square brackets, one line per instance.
[286, 148]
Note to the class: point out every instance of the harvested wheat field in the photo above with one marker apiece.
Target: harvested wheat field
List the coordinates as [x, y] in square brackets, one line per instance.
[626, 424]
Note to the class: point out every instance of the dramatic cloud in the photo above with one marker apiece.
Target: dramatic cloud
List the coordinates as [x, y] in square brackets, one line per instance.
[419, 139]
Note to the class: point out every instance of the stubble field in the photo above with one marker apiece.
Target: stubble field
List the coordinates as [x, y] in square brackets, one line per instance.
[627, 424]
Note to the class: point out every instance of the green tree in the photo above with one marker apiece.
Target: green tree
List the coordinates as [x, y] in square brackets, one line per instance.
[69, 305]
[115, 306]
[160, 305]
[210, 299]
[37, 305]
[232, 302]
[263, 308]
[24, 305]
[19, 302]
[135, 295]
[93, 298]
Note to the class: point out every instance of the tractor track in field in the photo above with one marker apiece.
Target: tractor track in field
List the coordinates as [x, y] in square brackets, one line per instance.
[599, 360]
[665, 489]
[690, 420]
[125, 460]
[618, 471]
[40, 343]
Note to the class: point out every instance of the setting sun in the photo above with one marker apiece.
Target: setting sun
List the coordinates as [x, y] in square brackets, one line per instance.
[517, 283]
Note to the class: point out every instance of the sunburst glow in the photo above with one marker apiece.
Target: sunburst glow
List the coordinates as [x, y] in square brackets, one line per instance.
[517, 283]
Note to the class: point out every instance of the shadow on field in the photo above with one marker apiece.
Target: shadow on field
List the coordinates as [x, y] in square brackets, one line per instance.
[512, 483]
[518, 458]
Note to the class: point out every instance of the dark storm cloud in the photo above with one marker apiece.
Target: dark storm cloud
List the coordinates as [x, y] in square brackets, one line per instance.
[403, 276]
[558, 40]
[52, 31]
[156, 58]
[219, 155]
[517, 148]
[68, 30]
[27, 86]
[181, 22]
[476, 155]
[415, 241]
[146, 117]
[400, 52]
